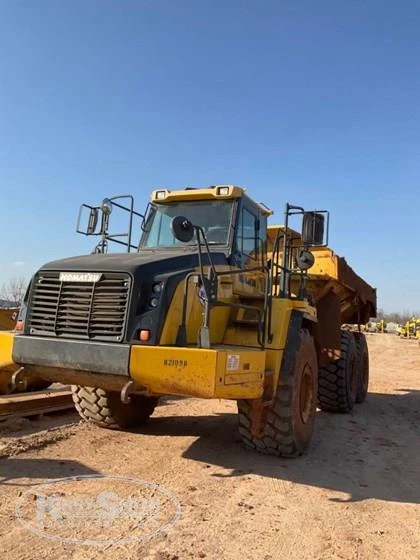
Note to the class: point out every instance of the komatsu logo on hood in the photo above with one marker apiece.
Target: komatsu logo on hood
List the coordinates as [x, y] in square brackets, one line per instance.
[80, 276]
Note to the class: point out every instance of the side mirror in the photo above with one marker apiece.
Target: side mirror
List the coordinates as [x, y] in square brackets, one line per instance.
[305, 259]
[182, 229]
[93, 221]
[313, 228]
[88, 220]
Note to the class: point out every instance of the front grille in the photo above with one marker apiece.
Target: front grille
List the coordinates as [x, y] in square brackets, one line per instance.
[71, 309]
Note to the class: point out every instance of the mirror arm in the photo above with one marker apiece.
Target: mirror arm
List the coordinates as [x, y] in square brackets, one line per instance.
[210, 282]
[200, 229]
[291, 207]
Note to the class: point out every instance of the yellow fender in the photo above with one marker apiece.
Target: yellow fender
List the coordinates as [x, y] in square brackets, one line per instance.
[7, 365]
[6, 348]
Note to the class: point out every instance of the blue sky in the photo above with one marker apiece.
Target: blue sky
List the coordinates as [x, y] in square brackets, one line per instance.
[315, 103]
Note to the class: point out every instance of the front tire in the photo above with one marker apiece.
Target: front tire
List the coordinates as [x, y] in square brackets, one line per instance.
[288, 423]
[105, 408]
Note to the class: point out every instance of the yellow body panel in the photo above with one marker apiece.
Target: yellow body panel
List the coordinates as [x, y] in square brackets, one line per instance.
[219, 315]
[326, 263]
[230, 287]
[230, 373]
[7, 365]
[235, 369]
[6, 348]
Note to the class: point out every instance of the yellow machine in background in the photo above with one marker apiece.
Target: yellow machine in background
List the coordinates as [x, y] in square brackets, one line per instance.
[381, 326]
[8, 318]
[213, 303]
[411, 329]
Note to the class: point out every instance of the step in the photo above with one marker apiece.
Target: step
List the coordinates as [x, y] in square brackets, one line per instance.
[250, 297]
[246, 322]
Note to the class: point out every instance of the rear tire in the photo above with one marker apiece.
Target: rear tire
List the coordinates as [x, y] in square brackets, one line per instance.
[363, 367]
[338, 380]
[105, 408]
[288, 423]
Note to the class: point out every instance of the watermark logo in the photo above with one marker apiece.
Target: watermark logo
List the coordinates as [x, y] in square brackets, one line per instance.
[98, 510]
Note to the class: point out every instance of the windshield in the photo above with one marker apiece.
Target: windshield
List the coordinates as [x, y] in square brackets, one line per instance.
[213, 216]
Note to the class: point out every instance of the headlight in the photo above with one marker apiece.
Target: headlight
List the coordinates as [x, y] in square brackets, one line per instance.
[157, 288]
[153, 302]
[223, 191]
[20, 319]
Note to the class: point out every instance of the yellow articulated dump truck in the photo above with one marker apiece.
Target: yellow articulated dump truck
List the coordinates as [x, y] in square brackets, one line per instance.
[213, 303]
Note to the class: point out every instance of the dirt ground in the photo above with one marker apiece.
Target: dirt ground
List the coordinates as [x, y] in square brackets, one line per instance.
[354, 495]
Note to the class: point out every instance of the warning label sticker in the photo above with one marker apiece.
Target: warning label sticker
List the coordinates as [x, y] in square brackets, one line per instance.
[233, 362]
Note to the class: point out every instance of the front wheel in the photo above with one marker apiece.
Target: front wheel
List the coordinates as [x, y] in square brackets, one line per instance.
[289, 421]
[105, 408]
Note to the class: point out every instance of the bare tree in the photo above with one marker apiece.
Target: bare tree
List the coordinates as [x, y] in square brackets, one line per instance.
[397, 317]
[14, 290]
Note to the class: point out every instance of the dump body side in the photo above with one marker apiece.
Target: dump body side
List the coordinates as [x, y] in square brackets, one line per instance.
[332, 274]
[331, 285]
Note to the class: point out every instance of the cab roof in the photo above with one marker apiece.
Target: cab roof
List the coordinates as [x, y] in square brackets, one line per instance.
[219, 192]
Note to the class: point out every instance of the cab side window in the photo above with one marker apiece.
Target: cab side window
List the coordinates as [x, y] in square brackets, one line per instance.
[248, 234]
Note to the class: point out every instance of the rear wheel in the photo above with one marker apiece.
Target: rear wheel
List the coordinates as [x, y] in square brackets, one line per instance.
[338, 380]
[288, 423]
[105, 408]
[363, 367]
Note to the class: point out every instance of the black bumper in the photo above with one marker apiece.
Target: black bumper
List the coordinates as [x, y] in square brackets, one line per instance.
[97, 357]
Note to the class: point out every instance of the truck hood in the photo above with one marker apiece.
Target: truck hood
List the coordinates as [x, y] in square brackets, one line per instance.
[160, 261]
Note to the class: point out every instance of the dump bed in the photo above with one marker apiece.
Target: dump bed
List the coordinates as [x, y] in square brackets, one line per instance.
[331, 274]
